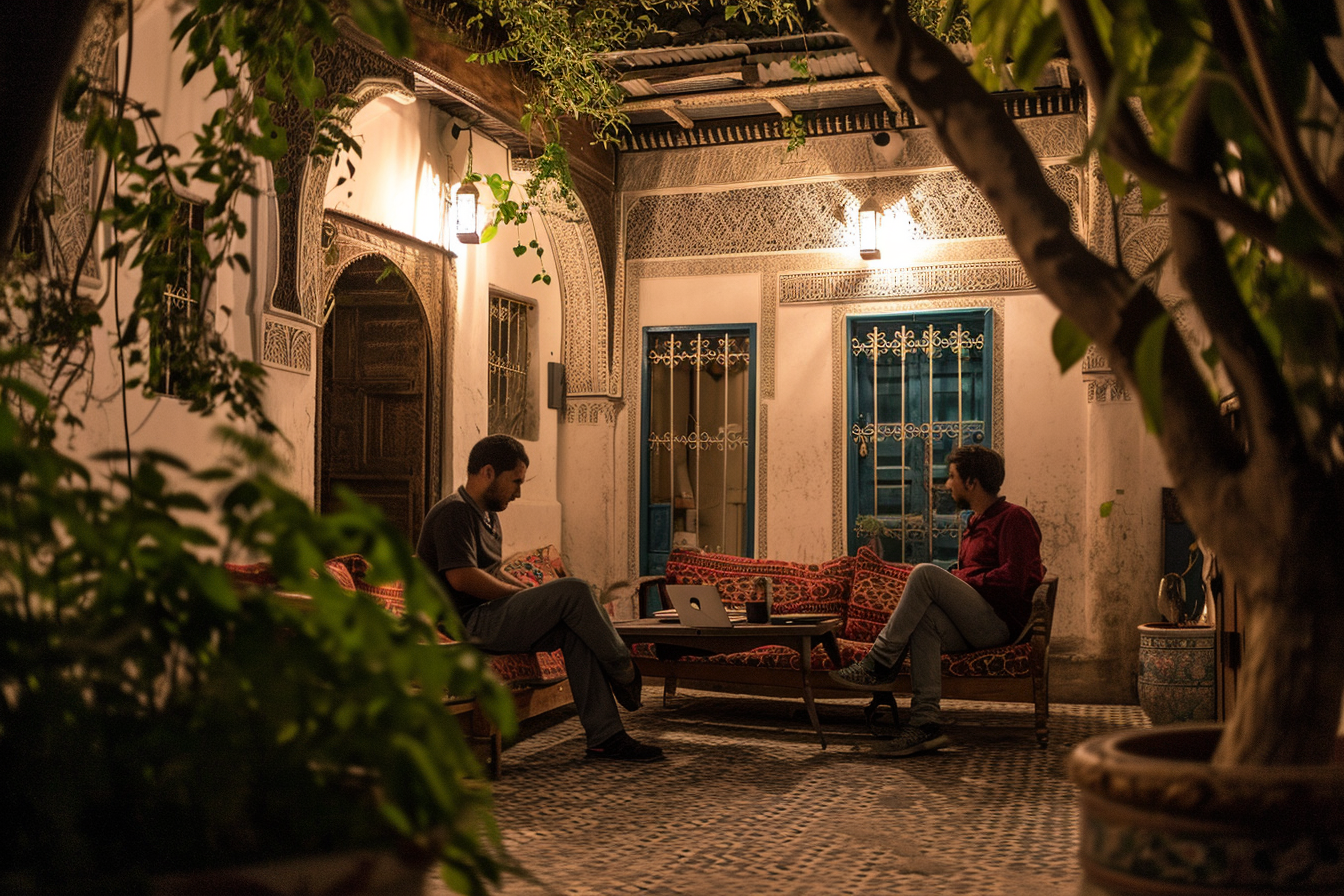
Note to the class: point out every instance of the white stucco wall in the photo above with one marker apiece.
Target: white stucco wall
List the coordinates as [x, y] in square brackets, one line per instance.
[163, 423]
[536, 518]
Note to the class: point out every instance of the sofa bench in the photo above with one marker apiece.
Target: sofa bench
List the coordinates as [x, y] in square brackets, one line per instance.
[537, 681]
[862, 591]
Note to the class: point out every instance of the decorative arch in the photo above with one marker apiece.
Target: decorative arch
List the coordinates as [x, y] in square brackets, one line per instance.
[586, 345]
[342, 240]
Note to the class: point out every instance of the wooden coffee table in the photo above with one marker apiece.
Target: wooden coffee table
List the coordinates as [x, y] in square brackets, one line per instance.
[801, 637]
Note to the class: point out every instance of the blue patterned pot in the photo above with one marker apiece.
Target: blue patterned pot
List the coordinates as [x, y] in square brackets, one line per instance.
[1177, 672]
[1156, 819]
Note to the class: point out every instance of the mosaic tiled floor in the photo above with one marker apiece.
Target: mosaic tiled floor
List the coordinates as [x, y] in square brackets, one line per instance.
[748, 804]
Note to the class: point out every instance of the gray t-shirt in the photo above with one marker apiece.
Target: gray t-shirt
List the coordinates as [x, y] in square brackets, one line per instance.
[459, 533]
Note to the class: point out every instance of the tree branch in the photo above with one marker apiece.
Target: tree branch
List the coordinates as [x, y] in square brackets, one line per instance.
[1198, 251]
[1308, 187]
[1127, 142]
[1109, 306]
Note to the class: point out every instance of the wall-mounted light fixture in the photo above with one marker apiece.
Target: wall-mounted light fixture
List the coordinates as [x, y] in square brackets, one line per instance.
[465, 203]
[870, 217]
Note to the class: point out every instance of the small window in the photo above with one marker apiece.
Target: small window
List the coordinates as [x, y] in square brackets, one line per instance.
[174, 335]
[513, 367]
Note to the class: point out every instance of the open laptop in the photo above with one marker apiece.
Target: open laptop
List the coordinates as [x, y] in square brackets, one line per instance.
[700, 606]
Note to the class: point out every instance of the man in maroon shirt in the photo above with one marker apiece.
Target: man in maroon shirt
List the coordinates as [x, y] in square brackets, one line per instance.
[984, 602]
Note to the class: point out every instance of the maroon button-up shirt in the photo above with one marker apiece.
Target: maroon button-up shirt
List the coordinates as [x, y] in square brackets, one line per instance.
[1000, 557]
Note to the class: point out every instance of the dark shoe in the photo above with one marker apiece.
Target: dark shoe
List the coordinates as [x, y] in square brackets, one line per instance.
[631, 694]
[912, 739]
[863, 677]
[626, 749]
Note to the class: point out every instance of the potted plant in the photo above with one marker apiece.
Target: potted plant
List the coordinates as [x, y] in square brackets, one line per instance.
[868, 526]
[1176, 658]
[162, 730]
[1238, 139]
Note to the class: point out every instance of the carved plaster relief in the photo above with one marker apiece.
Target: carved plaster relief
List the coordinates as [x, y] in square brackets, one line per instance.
[73, 168]
[286, 344]
[840, 354]
[583, 297]
[591, 411]
[312, 202]
[916, 280]
[943, 205]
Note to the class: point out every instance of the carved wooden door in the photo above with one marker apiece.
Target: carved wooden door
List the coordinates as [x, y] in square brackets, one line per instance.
[375, 372]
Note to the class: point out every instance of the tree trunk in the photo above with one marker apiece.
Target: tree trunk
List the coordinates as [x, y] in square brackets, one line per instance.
[1270, 513]
[1292, 673]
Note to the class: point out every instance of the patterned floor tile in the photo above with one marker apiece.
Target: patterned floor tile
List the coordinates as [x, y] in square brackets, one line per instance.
[747, 803]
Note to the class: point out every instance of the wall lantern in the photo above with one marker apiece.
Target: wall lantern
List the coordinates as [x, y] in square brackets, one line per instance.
[870, 217]
[465, 204]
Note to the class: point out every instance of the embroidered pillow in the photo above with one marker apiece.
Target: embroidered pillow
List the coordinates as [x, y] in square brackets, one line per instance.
[878, 586]
[536, 566]
[795, 587]
[341, 572]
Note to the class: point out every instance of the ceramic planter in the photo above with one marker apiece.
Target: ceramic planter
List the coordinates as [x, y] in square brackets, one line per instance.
[1177, 672]
[1156, 819]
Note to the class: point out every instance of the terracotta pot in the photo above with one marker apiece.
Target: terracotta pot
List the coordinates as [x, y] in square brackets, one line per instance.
[1177, 672]
[364, 872]
[1157, 818]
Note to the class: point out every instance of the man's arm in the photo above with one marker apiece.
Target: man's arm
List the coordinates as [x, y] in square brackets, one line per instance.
[1019, 558]
[478, 583]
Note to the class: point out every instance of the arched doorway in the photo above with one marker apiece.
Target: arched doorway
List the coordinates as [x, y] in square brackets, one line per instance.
[375, 394]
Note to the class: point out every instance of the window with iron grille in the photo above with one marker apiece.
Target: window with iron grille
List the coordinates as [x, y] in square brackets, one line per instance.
[175, 334]
[919, 386]
[512, 368]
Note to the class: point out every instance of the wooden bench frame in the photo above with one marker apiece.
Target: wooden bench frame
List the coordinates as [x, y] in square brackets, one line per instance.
[1034, 689]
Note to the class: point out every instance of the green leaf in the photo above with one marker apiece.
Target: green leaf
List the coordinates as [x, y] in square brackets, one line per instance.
[1148, 370]
[1116, 178]
[488, 232]
[1069, 343]
[519, 250]
[1106, 508]
[387, 21]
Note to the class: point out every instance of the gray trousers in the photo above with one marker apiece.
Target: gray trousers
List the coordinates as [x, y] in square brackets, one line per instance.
[938, 613]
[561, 614]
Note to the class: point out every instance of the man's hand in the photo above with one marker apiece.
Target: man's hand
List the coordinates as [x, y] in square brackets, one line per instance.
[480, 584]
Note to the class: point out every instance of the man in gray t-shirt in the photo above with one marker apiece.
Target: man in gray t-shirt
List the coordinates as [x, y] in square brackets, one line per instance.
[461, 541]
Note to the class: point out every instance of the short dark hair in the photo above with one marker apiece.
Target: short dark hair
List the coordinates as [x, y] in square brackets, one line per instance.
[499, 451]
[976, 463]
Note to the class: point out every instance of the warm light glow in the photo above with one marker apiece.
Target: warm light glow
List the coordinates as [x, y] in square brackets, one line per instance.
[897, 239]
[465, 204]
[870, 218]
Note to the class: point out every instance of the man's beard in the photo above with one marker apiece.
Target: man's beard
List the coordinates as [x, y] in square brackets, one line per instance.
[493, 500]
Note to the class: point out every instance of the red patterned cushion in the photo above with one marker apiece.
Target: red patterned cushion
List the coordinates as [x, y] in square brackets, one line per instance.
[355, 563]
[878, 586]
[389, 595]
[340, 572]
[251, 573]
[796, 588]
[526, 668]
[537, 566]
[995, 662]
[1008, 661]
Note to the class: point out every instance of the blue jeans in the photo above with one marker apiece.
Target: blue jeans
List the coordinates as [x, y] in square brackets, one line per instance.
[561, 614]
[938, 613]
